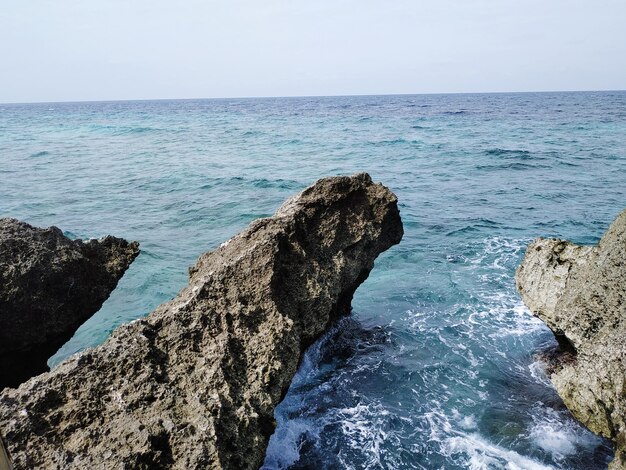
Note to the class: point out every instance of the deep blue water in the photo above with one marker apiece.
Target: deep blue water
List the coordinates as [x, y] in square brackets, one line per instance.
[436, 368]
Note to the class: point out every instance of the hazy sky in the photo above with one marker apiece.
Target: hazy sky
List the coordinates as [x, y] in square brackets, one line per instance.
[60, 50]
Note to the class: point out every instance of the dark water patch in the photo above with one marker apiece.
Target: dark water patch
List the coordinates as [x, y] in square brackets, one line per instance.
[553, 196]
[43, 153]
[212, 183]
[244, 182]
[463, 230]
[122, 130]
[521, 154]
[253, 134]
[568, 164]
[394, 142]
[437, 228]
[136, 130]
[290, 142]
[485, 225]
[279, 183]
[350, 338]
[517, 166]
[383, 143]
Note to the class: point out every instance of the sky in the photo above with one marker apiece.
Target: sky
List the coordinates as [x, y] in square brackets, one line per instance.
[75, 50]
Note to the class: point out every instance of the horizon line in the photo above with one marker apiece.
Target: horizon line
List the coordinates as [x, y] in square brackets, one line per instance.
[252, 97]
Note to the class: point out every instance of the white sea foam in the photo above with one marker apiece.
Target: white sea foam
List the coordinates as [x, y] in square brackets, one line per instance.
[559, 436]
[480, 454]
[288, 438]
[553, 432]
[363, 434]
[538, 372]
[468, 423]
[554, 439]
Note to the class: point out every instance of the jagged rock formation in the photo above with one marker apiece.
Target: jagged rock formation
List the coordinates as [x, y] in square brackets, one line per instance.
[580, 293]
[195, 383]
[49, 286]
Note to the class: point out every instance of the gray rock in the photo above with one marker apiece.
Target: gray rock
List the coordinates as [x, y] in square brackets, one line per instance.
[5, 464]
[195, 383]
[580, 293]
[49, 286]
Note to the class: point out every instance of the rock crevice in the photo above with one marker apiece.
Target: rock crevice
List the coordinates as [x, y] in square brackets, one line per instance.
[194, 384]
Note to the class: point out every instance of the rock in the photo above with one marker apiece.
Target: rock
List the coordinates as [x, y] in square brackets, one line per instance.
[5, 464]
[194, 384]
[580, 293]
[49, 286]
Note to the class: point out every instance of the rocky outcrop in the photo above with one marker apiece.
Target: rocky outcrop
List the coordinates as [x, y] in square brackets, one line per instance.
[195, 383]
[49, 286]
[580, 293]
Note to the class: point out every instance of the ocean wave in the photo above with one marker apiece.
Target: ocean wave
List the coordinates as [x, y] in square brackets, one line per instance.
[277, 183]
[498, 152]
[480, 454]
[251, 133]
[241, 181]
[562, 439]
[518, 166]
[124, 130]
[393, 142]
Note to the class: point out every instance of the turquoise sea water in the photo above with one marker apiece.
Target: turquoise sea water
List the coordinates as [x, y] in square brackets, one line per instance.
[435, 369]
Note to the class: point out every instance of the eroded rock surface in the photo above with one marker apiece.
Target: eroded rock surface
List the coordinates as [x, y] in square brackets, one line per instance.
[49, 286]
[195, 383]
[580, 293]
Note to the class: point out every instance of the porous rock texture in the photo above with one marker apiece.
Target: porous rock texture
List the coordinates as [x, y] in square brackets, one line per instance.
[49, 286]
[580, 293]
[194, 384]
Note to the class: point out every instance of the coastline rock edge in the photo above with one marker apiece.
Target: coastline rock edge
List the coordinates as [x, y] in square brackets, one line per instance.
[580, 293]
[49, 286]
[195, 383]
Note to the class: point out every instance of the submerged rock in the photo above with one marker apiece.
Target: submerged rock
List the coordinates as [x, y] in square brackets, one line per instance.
[195, 383]
[580, 293]
[49, 286]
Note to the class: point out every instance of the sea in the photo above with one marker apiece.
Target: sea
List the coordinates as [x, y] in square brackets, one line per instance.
[438, 366]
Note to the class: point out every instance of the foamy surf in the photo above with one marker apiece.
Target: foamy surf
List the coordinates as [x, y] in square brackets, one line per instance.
[448, 391]
[480, 454]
